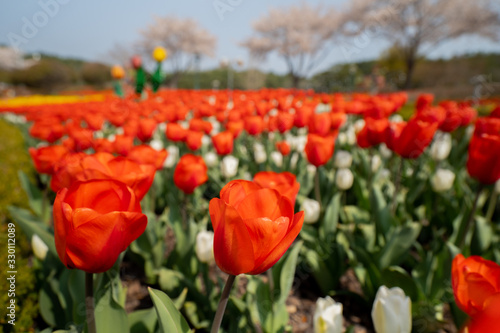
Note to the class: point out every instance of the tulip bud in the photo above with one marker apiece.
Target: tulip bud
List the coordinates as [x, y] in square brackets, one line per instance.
[136, 62]
[205, 246]
[172, 157]
[344, 179]
[350, 134]
[311, 210]
[328, 316]
[376, 162]
[359, 125]
[441, 147]
[117, 72]
[343, 159]
[156, 144]
[442, 180]
[229, 166]
[497, 186]
[159, 54]
[259, 153]
[384, 151]
[277, 158]
[210, 159]
[39, 247]
[391, 311]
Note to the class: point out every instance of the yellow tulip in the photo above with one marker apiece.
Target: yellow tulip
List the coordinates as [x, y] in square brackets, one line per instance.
[159, 53]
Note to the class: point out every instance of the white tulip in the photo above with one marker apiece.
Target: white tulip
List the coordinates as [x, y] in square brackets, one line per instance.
[294, 160]
[376, 162]
[384, 151]
[259, 153]
[342, 138]
[351, 135]
[497, 186]
[343, 159]
[311, 210]
[162, 127]
[391, 312]
[328, 316]
[205, 246]
[442, 180]
[211, 159]
[311, 169]
[359, 125]
[229, 166]
[156, 144]
[206, 140]
[172, 157]
[344, 179]
[39, 247]
[441, 147]
[396, 118]
[277, 158]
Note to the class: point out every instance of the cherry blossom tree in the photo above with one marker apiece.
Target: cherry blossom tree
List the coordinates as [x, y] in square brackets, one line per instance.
[416, 26]
[301, 35]
[185, 41]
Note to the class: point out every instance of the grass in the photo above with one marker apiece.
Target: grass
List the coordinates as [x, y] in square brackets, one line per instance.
[14, 157]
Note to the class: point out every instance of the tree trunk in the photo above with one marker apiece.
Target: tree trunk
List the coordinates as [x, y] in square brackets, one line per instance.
[295, 81]
[410, 67]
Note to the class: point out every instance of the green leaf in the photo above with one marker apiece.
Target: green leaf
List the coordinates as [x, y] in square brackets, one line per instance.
[396, 276]
[33, 193]
[31, 225]
[169, 318]
[482, 237]
[109, 315]
[143, 321]
[398, 245]
[356, 215]
[331, 219]
[288, 272]
[381, 211]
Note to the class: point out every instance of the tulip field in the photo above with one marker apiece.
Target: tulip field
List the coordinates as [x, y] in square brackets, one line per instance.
[264, 211]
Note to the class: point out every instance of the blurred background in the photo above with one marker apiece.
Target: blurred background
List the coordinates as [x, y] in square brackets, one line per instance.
[52, 46]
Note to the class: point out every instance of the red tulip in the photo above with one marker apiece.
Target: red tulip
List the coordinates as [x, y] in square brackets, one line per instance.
[253, 227]
[415, 136]
[94, 222]
[284, 122]
[320, 123]
[424, 101]
[283, 147]
[146, 128]
[254, 125]
[45, 158]
[82, 167]
[194, 140]
[285, 183]
[483, 162]
[488, 320]
[190, 172]
[223, 142]
[176, 132]
[145, 154]
[319, 149]
[474, 281]
[123, 144]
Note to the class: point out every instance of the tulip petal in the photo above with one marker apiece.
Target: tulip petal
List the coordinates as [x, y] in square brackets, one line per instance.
[266, 234]
[265, 203]
[233, 249]
[235, 191]
[276, 253]
[103, 238]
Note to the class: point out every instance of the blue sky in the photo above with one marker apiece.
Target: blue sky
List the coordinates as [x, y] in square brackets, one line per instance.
[89, 29]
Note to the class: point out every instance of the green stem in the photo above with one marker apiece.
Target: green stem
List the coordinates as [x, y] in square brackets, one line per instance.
[317, 191]
[492, 205]
[222, 304]
[89, 303]
[397, 185]
[465, 229]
